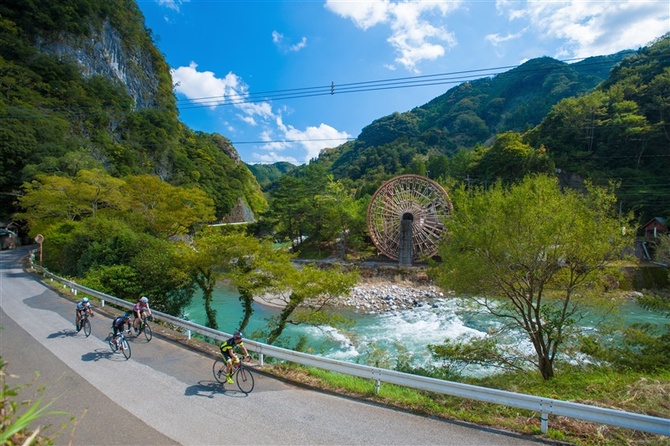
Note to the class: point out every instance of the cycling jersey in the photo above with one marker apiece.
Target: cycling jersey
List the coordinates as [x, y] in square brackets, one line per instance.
[229, 344]
[81, 306]
[140, 306]
[117, 324]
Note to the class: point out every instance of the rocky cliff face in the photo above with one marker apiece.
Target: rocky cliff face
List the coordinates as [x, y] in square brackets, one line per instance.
[240, 213]
[104, 54]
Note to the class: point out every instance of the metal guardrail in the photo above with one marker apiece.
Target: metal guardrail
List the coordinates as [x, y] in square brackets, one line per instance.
[544, 406]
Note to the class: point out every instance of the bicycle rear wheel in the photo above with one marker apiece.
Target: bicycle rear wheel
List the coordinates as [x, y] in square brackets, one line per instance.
[86, 325]
[148, 334]
[244, 379]
[125, 348]
[219, 370]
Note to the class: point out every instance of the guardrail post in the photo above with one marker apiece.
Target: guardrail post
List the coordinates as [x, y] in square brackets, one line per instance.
[102, 303]
[377, 386]
[544, 417]
[188, 334]
[260, 359]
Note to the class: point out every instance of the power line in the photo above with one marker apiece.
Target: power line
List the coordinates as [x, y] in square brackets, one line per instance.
[455, 77]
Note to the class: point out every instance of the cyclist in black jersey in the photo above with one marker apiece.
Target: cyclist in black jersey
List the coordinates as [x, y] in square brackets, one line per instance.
[119, 322]
[227, 350]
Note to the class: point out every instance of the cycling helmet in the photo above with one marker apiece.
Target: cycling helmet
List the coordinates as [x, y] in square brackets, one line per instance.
[126, 315]
[85, 300]
[237, 335]
[144, 299]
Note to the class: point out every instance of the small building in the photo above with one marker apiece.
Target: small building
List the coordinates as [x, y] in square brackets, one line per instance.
[654, 228]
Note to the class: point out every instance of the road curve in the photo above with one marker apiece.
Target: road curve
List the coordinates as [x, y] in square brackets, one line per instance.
[165, 393]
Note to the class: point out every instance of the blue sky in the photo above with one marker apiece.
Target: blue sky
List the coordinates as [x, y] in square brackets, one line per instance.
[261, 73]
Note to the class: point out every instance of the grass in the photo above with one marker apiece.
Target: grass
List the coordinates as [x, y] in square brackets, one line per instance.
[631, 392]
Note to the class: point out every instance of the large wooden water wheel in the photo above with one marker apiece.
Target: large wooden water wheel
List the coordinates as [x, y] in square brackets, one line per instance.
[418, 201]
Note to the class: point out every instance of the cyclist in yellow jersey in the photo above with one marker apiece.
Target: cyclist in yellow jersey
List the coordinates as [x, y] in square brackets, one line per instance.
[227, 350]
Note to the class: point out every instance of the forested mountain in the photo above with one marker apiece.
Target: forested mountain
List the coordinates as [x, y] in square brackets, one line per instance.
[82, 86]
[601, 119]
[267, 174]
[469, 114]
[620, 132]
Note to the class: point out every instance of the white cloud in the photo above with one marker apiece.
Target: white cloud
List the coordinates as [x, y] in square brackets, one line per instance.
[172, 4]
[313, 139]
[204, 88]
[364, 14]
[280, 41]
[412, 34]
[497, 39]
[593, 28]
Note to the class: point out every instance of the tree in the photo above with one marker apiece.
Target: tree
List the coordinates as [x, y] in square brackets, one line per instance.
[50, 198]
[310, 291]
[208, 264]
[662, 253]
[256, 267]
[165, 209]
[529, 254]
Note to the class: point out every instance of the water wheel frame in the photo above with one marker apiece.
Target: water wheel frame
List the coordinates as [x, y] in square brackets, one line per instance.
[422, 198]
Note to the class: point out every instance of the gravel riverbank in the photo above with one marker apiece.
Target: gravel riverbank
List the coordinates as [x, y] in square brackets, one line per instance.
[382, 296]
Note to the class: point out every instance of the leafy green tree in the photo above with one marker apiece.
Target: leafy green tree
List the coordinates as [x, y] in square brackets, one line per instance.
[257, 267]
[310, 291]
[50, 198]
[509, 159]
[109, 256]
[288, 209]
[205, 255]
[164, 209]
[529, 254]
[662, 253]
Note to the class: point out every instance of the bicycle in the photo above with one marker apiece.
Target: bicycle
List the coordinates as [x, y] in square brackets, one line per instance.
[144, 328]
[119, 342]
[241, 374]
[84, 324]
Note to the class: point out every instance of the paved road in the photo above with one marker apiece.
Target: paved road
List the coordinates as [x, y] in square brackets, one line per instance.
[165, 394]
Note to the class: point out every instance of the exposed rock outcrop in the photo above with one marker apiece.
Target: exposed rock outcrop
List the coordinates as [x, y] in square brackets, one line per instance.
[239, 214]
[103, 54]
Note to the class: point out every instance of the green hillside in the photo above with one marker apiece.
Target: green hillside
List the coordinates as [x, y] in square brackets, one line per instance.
[83, 86]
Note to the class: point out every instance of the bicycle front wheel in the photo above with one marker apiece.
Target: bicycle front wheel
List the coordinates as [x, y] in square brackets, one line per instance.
[86, 325]
[148, 334]
[125, 348]
[219, 370]
[112, 345]
[244, 379]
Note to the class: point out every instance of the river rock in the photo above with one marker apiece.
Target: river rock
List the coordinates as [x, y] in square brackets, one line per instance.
[381, 297]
